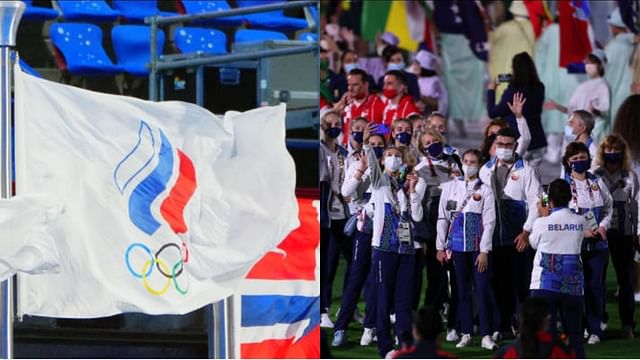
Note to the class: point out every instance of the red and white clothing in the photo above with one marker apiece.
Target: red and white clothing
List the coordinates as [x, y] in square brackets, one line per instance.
[405, 108]
[370, 108]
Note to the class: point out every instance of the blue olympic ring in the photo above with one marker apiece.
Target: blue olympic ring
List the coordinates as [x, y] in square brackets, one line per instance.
[148, 267]
[145, 248]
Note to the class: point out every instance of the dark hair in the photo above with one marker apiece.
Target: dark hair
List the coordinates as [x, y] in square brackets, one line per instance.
[508, 132]
[626, 124]
[364, 77]
[559, 193]
[532, 315]
[572, 149]
[427, 73]
[486, 146]
[525, 74]
[398, 74]
[388, 52]
[427, 322]
[595, 59]
[475, 152]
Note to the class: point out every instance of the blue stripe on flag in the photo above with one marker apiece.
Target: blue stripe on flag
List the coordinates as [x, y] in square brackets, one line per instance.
[149, 189]
[266, 310]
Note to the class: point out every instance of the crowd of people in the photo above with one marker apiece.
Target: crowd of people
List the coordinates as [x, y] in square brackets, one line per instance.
[506, 257]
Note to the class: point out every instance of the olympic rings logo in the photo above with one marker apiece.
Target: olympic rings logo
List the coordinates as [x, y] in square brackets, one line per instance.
[154, 261]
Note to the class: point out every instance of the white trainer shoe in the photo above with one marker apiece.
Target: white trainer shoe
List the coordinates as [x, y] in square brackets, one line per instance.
[497, 336]
[339, 338]
[390, 354]
[325, 321]
[593, 339]
[488, 343]
[367, 337]
[603, 326]
[586, 334]
[465, 341]
[452, 335]
[357, 316]
[392, 318]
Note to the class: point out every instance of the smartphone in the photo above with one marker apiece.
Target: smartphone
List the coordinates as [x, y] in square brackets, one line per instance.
[381, 129]
[544, 199]
[503, 78]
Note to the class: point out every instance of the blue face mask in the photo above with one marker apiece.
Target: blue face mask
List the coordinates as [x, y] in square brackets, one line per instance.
[434, 150]
[333, 132]
[613, 158]
[357, 136]
[403, 138]
[349, 67]
[396, 66]
[580, 166]
[378, 150]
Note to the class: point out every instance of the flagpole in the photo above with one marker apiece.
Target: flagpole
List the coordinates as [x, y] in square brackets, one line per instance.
[10, 14]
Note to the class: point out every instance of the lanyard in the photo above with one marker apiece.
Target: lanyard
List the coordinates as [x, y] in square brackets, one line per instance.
[574, 192]
[431, 167]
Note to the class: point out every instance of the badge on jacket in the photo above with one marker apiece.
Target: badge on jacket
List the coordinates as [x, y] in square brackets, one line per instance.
[477, 196]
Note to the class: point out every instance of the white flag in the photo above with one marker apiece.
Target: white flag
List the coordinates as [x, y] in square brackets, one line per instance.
[165, 206]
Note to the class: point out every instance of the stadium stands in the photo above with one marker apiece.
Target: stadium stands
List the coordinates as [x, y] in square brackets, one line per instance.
[38, 13]
[274, 20]
[136, 11]
[248, 35]
[196, 7]
[87, 10]
[208, 41]
[131, 45]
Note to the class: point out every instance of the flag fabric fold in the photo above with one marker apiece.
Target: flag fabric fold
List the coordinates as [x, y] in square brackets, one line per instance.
[166, 206]
[575, 44]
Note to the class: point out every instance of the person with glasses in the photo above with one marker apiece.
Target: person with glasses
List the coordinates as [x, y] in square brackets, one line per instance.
[516, 186]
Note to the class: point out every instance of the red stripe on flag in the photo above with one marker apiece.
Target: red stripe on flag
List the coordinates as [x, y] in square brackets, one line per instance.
[307, 347]
[574, 37]
[173, 206]
[300, 246]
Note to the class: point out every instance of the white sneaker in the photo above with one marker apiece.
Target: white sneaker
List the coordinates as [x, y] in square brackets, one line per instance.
[392, 318]
[586, 334]
[636, 297]
[603, 326]
[496, 336]
[593, 339]
[466, 341]
[358, 317]
[390, 354]
[488, 343]
[325, 321]
[452, 336]
[367, 337]
[339, 338]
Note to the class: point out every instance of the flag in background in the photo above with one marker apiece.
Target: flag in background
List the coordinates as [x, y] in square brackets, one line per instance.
[574, 37]
[403, 18]
[539, 14]
[278, 307]
[629, 13]
[463, 17]
[165, 206]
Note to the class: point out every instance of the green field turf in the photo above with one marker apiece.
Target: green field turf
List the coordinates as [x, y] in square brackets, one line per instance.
[611, 346]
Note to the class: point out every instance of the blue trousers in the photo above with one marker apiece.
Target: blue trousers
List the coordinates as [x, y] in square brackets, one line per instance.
[594, 264]
[570, 308]
[360, 268]
[439, 278]
[467, 275]
[394, 278]
[621, 250]
[511, 279]
[339, 243]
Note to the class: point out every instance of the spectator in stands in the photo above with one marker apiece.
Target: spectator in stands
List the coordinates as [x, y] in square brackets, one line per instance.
[524, 81]
[534, 342]
[627, 125]
[332, 172]
[578, 129]
[592, 200]
[401, 133]
[438, 121]
[348, 62]
[614, 169]
[326, 77]
[374, 65]
[398, 103]
[427, 325]
[393, 60]
[433, 93]
[418, 124]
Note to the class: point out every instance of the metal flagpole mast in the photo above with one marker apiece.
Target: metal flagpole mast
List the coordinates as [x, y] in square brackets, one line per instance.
[10, 14]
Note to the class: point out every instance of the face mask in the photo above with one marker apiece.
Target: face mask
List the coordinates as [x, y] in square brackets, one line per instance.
[403, 138]
[349, 67]
[333, 132]
[613, 158]
[392, 163]
[580, 166]
[568, 133]
[504, 154]
[357, 136]
[469, 171]
[396, 66]
[378, 150]
[390, 93]
[434, 149]
[324, 64]
[592, 69]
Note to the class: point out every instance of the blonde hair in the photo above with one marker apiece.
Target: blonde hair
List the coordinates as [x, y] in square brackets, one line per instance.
[397, 121]
[429, 131]
[435, 114]
[617, 142]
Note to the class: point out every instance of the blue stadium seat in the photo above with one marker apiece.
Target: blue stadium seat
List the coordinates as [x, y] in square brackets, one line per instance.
[87, 10]
[79, 49]
[38, 13]
[272, 19]
[28, 69]
[248, 35]
[137, 10]
[131, 45]
[195, 7]
[308, 36]
[315, 15]
[208, 41]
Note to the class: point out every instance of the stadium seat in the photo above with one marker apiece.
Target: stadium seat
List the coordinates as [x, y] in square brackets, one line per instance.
[87, 10]
[78, 49]
[131, 45]
[28, 69]
[208, 41]
[137, 10]
[248, 35]
[308, 36]
[272, 19]
[38, 13]
[191, 7]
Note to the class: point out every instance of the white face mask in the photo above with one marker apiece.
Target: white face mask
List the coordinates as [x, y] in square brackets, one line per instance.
[396, 66]
[591, 69]
[469, 170]
[568, 133]
[504, 154]
[392, 163]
